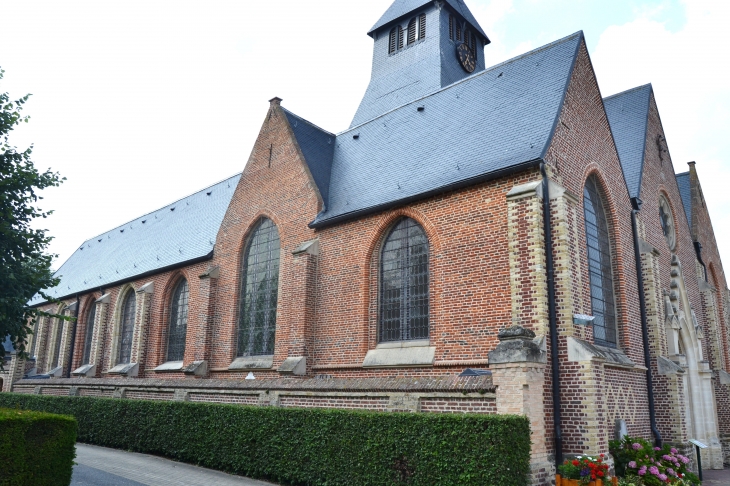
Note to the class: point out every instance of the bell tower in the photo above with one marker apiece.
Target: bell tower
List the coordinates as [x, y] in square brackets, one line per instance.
[419, 47]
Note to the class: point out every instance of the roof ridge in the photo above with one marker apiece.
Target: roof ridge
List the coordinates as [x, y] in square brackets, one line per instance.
[649, 85]
[309, 122]
[161, 207]
[474, 76]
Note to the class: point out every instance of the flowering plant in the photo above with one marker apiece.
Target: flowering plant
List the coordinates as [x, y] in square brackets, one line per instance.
[585, 469]
[648, 465]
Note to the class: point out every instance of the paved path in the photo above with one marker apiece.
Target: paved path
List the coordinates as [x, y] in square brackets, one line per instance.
[716, 477]
[99, 466]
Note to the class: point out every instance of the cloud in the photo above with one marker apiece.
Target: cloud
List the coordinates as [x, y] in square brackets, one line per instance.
[688, 70]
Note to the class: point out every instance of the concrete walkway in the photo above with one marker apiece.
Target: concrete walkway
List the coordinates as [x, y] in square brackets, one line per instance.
[716, 477]
[111, 467]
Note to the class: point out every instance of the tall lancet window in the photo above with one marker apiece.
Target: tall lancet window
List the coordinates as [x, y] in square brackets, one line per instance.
[404, 283]
[57, 344]
[260, 291]
[126, 328]
[600, 267]
[89, 335]
[178, 322]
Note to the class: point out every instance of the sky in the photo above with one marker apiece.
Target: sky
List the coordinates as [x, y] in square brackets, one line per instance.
[140, 103]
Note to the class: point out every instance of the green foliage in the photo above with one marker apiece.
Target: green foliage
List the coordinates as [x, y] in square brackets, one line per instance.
[307, 446]
[36, 448]
[25, 268]
[647, 465]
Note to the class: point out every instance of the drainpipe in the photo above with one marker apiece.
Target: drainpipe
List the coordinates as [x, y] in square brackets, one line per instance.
[636, 207]
[698, 250]
[73, 339]
[552, 315]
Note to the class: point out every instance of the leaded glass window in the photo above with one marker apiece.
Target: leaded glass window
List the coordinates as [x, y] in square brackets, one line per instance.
[126, 331]
[404, 283]
[178, 322]
[57, 344]
[34, 343]
[90, 318]
[600, 267]
[260, 291]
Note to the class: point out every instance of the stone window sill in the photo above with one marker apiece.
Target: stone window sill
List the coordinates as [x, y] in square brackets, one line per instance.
[404, 344]
[400, 356]
[252, 363]
[170, 366]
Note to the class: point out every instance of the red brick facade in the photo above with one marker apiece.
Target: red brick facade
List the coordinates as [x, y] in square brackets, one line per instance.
[486, 273]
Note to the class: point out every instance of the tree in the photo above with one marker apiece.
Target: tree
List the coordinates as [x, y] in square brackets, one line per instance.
[25, 267]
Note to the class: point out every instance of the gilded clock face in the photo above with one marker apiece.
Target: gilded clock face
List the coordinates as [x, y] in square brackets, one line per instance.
[466, 57]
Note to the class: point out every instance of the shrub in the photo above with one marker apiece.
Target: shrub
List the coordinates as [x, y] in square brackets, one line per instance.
[649, 465]
[307, 446]
[36, 448]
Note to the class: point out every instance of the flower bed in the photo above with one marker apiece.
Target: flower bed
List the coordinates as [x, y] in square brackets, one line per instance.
[638, 463]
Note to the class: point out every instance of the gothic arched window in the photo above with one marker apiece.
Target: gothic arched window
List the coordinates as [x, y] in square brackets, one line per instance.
[178, 322]
[57, 344]
[126, 328]
[600, 267]
[260, 291]
[404, 283]
[91, 316]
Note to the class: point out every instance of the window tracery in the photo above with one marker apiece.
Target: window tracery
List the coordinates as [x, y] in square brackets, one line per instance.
[178, 322]
[126, 331]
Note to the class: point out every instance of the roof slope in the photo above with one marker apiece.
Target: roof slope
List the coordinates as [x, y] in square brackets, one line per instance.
[495, 120]
[399, 8]
[685, 191]
[628, 116]
[177, 233]
[317, 146]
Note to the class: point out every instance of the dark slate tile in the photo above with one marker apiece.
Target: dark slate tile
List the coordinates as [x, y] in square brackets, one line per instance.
[628, 116]
[399, 8]
[685, 192]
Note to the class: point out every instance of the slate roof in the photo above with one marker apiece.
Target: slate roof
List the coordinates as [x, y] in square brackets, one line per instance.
[400, 8]
[628, 116]
[181, 232]
[500, 119]
[685, 192]
[317, 146]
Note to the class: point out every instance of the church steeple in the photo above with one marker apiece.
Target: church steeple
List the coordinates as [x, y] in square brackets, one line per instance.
[419, 47]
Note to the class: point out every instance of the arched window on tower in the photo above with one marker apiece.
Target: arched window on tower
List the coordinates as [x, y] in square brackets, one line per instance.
[260, 291]
[90, 318]
[412, 30]
[399, 42]
[404, 284]
[422, 26]
[178, 322]
[392, 39]
[126, 328]
[600, 267]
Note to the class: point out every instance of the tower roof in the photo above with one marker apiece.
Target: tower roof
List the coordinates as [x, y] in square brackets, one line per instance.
[401, 8]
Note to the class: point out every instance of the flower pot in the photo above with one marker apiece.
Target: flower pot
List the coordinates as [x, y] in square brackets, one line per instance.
[574, 482]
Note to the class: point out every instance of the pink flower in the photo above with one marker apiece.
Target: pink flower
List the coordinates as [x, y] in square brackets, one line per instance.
[684, 459]
[663, 477]
[657, 448]
[667, 457]
[673, 450]
[671, 472]
[632, 465]
[654, 470]
[636, 446]
[642, 470]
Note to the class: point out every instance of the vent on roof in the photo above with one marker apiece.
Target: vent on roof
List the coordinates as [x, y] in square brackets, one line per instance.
[356, 136]
[100, 240]
[421, 108]
[172, 209]
[144, 221]
[209, 193]
[121, 231]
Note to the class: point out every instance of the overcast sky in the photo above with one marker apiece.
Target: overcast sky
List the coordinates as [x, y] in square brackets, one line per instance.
[139, 103]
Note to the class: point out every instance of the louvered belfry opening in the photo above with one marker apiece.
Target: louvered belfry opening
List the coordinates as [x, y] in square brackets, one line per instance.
[400, 38]
[392, 40]
[458, 30]
[178, 322]
[126, 331]
[260, 291]
[600, 267]
[412, 31]
[451, 27]
[88, 336]
[404, 296]
[474, 45]
[422, 26]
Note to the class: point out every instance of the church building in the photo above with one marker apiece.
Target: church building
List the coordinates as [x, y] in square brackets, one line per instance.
[480, 240]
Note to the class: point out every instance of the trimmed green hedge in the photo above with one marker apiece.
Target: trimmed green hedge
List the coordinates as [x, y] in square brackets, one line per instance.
[307, 446]
[36, 448]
